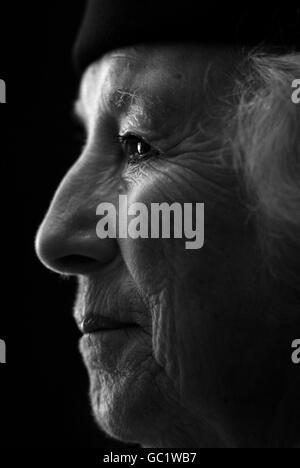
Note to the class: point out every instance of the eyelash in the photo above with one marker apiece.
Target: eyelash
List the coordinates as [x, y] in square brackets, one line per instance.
[136, 158]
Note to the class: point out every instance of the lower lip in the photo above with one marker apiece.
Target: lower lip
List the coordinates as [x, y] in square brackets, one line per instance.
[109, 347]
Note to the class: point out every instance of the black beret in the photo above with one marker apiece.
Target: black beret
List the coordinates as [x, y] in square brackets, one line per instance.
[110, 24]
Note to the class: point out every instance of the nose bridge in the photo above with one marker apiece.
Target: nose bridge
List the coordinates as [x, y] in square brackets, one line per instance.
[79, 193]
[68, 230]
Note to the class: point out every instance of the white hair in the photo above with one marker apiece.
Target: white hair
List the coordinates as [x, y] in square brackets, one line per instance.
[266, 151]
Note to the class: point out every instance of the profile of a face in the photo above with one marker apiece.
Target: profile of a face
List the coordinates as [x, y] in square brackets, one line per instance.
[184, 348]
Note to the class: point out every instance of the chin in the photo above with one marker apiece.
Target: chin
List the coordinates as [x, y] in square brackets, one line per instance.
[128, 408]
[128, 402]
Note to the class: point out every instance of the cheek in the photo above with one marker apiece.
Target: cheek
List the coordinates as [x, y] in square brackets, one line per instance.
[152, 260]
[190, 293]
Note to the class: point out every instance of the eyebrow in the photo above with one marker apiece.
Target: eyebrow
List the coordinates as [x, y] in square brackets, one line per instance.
[122, 99]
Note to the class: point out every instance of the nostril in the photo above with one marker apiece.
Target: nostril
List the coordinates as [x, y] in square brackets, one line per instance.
[76, 264]
[70, 251]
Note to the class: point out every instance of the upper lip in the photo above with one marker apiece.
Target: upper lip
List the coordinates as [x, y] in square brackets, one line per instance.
[94, 323]
[106, 305]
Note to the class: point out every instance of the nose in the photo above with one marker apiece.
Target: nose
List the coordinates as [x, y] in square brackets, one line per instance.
[66, 241]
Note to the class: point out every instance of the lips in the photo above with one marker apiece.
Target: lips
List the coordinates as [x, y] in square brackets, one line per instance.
[93, 324]
[104, 304]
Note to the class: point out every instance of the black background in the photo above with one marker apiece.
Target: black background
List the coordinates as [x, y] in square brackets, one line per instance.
[44, 385]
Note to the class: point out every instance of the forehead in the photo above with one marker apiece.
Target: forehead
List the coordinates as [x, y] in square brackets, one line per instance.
[155, 81]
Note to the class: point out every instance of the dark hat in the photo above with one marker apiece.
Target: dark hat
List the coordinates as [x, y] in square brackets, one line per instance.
[110, 24]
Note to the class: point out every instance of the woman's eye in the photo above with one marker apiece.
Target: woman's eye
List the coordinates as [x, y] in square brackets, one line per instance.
[136, 148]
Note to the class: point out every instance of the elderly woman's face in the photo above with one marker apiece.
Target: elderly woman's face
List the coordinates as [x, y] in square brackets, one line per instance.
[187, 356]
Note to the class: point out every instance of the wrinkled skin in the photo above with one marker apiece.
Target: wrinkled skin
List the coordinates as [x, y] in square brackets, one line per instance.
[206, 367]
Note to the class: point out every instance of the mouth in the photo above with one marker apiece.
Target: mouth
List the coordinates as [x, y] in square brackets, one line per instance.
[95, 324]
